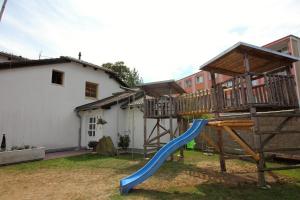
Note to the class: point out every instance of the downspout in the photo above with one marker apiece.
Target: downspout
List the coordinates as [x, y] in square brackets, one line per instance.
[79, 131]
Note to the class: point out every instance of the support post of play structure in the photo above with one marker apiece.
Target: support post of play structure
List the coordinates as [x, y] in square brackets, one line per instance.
[214, 93]
[217, 116]
[145, 127]
[221, 150]
[257, 136]
[183, 125]
[157, 132]
[171, 120]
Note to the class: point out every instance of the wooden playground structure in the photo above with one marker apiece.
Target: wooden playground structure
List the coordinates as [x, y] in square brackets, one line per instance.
[262, 86]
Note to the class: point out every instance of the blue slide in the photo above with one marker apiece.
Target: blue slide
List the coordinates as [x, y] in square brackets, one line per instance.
[158, 159]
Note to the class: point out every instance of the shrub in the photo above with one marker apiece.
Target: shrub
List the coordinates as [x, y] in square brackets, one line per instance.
[20, 148]
[124, 141]
[14, 148]
[93, 145]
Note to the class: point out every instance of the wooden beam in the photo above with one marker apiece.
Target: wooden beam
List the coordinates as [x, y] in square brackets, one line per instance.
[241, 142]
[220, 145]
[281, 168]
[223, 71]
[279, 127]
[158, 136]
[210, 141]
[282, 149]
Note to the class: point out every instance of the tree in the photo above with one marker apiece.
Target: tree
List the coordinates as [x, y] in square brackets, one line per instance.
[130, 77]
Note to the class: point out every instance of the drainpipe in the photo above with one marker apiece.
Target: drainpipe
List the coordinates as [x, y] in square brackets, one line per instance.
[79, 132]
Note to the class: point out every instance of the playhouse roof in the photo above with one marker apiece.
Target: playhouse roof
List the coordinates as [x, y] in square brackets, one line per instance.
[231, 61]
[161, 88]
[122, 97]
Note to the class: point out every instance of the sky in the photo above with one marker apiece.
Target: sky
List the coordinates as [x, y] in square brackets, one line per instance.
[162, 39]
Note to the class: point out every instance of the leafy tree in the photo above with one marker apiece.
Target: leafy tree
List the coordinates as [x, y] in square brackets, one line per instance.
[131, 77]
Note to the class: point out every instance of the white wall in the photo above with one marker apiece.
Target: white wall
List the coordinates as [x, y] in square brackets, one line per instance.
[123, 121]
[135, 125]
[36, 112]
[4, 59]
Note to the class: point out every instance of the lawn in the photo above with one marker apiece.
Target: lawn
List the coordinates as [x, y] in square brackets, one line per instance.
[97, 177]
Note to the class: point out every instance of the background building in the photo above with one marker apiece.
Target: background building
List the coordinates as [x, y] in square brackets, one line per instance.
[201, 80]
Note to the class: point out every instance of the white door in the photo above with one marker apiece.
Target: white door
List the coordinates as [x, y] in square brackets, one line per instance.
[91, 128]
[94, 129]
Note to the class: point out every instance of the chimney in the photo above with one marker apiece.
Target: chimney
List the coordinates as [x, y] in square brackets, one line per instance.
[79, 55]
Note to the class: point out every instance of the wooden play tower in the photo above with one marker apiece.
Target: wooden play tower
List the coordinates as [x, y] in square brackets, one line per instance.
[262, 86]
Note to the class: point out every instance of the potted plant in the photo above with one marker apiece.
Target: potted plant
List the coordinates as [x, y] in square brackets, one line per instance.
[93, 145]
[124, 141]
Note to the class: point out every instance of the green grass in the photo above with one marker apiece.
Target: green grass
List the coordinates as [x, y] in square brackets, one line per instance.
[125, 164]
[90, 161]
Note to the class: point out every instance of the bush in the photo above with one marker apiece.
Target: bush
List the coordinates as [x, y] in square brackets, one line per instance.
[93, 145]
[124, 141]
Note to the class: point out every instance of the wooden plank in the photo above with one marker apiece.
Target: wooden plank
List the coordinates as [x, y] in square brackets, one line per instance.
[221, 150]
[282, 149]
[241, 142]
[157, 137]
[210, 141]
[281, 168]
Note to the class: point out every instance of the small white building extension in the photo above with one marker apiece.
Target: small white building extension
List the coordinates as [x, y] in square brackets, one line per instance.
[60, 103]
[123, 114]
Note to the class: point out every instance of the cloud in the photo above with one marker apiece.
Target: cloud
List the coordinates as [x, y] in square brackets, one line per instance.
[162, 39]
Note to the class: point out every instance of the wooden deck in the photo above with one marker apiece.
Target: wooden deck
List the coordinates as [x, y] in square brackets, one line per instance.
[276, 93]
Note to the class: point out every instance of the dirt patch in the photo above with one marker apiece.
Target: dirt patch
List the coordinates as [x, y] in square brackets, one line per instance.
[58, 184]
[209, 172]
[102, 183]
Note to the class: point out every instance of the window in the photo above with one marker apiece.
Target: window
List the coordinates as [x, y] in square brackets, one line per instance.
[188, 83]
[57, 77]
[91, 89]
[284, 50]
[92, 126]
[199, 79]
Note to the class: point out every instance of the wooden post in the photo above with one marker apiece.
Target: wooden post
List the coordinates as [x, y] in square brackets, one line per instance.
[214, 92]
[170, 119]
[157, 130]
[145, 128]
[221, 150]
[249, 94]
[257, 137]
[182, 128]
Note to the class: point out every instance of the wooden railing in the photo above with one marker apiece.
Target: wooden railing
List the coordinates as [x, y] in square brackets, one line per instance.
[159, 107]
[274, 92]
[280, 90]
[232, 94]
[199, 102]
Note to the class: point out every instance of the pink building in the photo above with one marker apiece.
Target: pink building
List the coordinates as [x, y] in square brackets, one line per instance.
[201, 80]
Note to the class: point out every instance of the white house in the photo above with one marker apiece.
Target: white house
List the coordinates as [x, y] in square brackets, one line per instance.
[38, 98]
[59, 103]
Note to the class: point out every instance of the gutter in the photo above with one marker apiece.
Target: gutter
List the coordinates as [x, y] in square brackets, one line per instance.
[79, 131]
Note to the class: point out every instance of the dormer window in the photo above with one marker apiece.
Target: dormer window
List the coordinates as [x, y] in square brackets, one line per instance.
[57, 77]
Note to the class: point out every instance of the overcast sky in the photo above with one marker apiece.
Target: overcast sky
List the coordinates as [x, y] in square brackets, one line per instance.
[162, 39]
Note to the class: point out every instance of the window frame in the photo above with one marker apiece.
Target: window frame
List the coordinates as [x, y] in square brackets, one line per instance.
[202, 79]
[85, 90]
[188, 83]
[62, 79]
[92, 131]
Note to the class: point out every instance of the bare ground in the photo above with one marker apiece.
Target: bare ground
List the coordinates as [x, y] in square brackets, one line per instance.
[102, 183]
